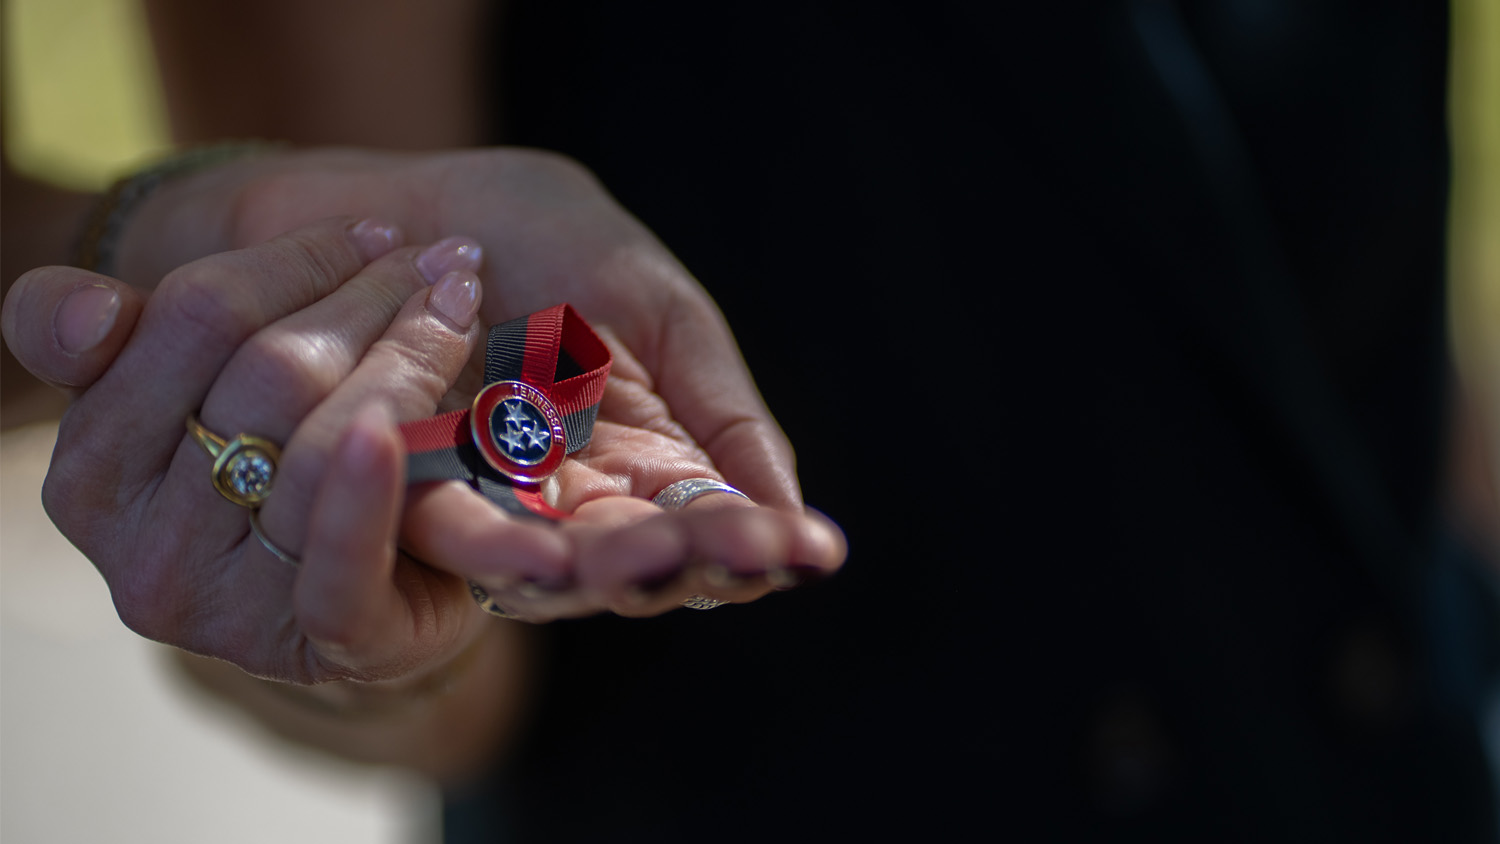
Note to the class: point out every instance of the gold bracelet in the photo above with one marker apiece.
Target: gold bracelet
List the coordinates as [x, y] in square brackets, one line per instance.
[101, 232]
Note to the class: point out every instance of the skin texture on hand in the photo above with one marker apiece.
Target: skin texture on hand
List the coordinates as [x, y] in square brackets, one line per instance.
[185, 569]
[323, 339]
[550, 234]
[296, 330]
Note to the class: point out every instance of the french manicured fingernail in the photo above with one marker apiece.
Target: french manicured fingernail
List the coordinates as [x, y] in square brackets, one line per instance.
[449, 255]
[375, 238]
[85, 317]
[455, 298]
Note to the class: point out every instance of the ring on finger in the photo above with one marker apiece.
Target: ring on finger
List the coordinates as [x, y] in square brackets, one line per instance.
[244, 466]
[271, 546]
[677, 495]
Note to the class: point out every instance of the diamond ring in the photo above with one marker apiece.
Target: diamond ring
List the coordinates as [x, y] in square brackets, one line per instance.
[244, 467]
[676, 496]
[701, 602]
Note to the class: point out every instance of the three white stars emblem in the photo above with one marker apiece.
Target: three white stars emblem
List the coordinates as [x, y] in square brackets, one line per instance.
[525, 429]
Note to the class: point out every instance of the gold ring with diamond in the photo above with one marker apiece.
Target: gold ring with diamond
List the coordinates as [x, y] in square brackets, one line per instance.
[244, 467]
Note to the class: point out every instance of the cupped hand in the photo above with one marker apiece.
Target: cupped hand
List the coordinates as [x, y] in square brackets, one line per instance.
[550, 233]
[301, 341]
[622, 552]
[289, 340]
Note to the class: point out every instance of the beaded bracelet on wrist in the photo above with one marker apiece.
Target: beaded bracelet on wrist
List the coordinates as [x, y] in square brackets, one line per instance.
[101, 232]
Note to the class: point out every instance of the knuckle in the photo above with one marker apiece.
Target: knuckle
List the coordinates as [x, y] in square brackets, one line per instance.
[313, 254]
[85, 482]
[201, 301]
[60, 500]
[151, 602]
[564, 169]
[331, 638]
[298, 370]
[140, 596]
[385, 291]
[418, 373]
[140, 608]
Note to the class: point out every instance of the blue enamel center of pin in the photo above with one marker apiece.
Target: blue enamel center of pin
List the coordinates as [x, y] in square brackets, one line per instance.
[521, 431]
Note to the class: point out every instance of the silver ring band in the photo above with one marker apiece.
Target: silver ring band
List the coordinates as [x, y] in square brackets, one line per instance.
[271, 546]
[701, 602]
[676, 496]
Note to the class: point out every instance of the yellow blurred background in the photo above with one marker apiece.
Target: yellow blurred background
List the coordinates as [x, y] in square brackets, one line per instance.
[1474, 221]
[81, 99]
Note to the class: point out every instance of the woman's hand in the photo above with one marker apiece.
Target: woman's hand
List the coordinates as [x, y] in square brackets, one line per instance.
[624, 554]
[300, 340]
[288, 340]
[550, 234]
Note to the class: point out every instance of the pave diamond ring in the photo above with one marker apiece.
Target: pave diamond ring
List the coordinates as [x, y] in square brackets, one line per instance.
[676, 496]
[244, 467]
[701, 602]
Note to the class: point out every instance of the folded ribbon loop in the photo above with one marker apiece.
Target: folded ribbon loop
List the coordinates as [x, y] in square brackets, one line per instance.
[544, 376]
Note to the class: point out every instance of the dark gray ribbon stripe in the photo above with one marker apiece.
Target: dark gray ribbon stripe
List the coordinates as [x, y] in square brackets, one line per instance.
[505, 351]
[580, 427]
[505, 354]
[458, 464]
[443, 465]
[504, 360]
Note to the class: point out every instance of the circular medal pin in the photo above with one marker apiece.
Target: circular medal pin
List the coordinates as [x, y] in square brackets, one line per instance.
[518, 430]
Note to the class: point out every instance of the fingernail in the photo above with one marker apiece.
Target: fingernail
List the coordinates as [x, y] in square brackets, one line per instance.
[449, 255]
[375, 238]
[84, 317]
[721, 577]
[781, 579]
[455, 298]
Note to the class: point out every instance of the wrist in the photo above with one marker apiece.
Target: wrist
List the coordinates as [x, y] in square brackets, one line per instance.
[107, 241]
[395, 698]
[446, 723]
[248, 200]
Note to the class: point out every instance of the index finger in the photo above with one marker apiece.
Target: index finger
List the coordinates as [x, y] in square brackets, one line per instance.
[705, 382]
[131, 420]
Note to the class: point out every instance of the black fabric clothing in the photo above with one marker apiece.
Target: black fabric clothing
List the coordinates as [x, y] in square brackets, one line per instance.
[1112, 334]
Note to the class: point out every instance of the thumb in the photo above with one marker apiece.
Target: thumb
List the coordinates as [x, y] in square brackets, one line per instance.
[66, 325]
